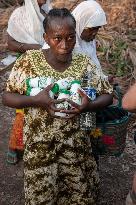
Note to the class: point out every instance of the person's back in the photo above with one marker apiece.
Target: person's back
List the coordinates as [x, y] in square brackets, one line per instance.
[25, 26]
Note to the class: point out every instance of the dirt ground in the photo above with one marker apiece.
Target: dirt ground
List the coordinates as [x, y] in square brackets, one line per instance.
[115, 173]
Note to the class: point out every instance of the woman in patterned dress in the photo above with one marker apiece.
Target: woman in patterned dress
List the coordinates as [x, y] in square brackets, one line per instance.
[59, 166]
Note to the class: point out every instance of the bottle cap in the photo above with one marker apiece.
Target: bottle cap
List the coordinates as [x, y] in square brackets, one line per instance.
[28, 82]
[18, 55]
[28, 91]
[65, 91]
[76, 82]
[55, 88]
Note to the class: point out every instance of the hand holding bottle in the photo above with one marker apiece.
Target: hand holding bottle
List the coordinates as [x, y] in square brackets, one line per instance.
[77, 109]
[44, 101]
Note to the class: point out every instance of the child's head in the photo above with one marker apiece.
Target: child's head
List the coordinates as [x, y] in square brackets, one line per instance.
[41, 2]
[89, 17]
[34, 2]
[89, 34]
[20, 2]
[60, 34]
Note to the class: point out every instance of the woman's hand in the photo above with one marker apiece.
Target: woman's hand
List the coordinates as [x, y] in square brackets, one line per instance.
[77, 109]
[43, 100]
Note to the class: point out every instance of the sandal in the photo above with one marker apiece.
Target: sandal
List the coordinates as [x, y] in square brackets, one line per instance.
[131, 200]
[133, 197]
[12, 157]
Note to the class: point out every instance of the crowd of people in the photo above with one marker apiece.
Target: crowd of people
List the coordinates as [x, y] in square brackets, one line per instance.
[59, 166]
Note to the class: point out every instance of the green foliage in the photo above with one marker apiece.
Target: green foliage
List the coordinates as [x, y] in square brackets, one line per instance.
[116, 55]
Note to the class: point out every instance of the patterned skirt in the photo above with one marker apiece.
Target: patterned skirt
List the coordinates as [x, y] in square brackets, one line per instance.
[60, 170]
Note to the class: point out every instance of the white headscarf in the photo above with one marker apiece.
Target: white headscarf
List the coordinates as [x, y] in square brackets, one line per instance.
[26, 23]
[88, 14]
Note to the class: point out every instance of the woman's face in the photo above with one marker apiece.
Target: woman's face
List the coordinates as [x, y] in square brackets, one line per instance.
[20, 2]
[89, 34]
[61, 37]
[41, 2]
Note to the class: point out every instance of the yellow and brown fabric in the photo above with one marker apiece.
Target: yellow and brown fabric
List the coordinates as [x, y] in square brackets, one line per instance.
[59, 166]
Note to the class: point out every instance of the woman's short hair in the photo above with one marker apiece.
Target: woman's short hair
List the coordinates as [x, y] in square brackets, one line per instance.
[57, 13]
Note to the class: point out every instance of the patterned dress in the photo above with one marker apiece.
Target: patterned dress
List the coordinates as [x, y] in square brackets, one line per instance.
[59, 167]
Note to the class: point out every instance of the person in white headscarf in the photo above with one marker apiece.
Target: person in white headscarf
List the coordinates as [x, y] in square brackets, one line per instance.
[25, 26]
[89, 17]
[25, 32]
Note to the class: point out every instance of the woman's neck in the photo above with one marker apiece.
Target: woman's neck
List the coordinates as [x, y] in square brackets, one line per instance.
[55, 63]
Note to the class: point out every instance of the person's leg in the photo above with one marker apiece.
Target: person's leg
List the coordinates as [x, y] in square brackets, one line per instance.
[131, 197]
[77, 168]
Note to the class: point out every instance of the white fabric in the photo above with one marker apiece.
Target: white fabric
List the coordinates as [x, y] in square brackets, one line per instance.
[88, 14]
[26, 23]
[8, 60]
[45, 46]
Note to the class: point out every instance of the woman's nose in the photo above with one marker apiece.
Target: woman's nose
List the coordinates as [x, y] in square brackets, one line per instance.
[64, 45]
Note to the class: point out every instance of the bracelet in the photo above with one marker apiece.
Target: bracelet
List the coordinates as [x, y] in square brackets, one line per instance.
[20, 47]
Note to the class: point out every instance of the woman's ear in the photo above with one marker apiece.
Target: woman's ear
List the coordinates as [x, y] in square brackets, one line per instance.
[45, 37]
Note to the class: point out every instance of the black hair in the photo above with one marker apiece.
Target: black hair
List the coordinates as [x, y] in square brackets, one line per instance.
[57, 13]
[21, 2]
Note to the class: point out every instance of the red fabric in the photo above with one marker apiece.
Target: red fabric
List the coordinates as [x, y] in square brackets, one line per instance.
[16, 136]
[108, 140]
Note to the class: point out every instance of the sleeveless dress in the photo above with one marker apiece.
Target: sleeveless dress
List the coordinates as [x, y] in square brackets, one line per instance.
[59, 168]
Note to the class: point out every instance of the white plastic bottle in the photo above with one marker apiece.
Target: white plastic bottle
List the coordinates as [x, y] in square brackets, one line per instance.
[41, 82]
[74, 95]
[88, 119]
[64, 83]
[33, 91]
[44, 84]
[32, 82]
[64, 94]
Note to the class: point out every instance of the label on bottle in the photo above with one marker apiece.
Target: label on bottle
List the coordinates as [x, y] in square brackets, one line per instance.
[64, 83]
[39, 82]
[33, 91]
[64, 94]
[90, 92]
[75, 97]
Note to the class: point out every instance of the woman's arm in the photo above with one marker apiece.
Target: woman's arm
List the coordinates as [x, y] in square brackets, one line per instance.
[16, 46]
[41, 100]
[129, 99]
[101, 102]
[16, 100]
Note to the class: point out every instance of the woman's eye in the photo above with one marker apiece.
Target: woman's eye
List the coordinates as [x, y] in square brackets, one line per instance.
[57, 39]
[71, 38]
